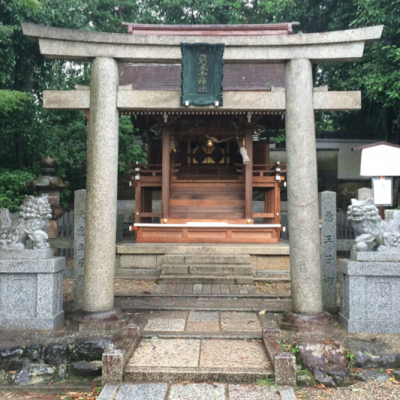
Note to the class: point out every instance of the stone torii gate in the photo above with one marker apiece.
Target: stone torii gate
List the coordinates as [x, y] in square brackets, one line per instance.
[106, 100]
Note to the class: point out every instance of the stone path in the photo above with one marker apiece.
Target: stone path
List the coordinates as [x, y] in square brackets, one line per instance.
[194, 324]
[187, 359]
[194, 391]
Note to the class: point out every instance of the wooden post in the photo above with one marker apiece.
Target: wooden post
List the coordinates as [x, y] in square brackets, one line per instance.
[267, 152]
[165, 172]
[248, 180]
[138, 203]
[381, 209]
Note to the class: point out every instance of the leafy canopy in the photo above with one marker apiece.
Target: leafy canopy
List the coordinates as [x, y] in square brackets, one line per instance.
[28, 132]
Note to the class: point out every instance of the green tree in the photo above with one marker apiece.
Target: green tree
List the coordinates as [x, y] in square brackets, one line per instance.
[28, 132]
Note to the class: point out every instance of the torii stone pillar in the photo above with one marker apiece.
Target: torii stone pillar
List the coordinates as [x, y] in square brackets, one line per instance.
[303, 215]
[102, 177]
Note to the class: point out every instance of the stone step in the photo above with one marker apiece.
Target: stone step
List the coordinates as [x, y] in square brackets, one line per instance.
[168, 374]
[201, 303]
[206, 269]
[217, 360]
[279, 249]
[213, 279]
[204, 258]
[138, 274]
[277, 279]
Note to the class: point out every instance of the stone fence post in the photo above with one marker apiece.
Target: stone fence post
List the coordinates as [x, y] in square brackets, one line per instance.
[328, 249]
[79, 245]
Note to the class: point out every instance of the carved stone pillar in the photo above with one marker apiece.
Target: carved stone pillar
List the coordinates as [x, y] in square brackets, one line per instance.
[304, 235]
[102, 174]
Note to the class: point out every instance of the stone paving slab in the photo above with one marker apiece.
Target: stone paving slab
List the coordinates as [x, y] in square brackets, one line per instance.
[198, 391]
[166, 353]
[240, 321]
[200, 326]
[288, 394]
[195, 391]
[142, 391]
[233, 354]
[165, 324]
[168, 314]
[108, 391]
[242, 392]
[204, 316]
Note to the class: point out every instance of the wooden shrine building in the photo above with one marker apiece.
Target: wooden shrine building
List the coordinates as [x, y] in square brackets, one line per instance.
[195, 159]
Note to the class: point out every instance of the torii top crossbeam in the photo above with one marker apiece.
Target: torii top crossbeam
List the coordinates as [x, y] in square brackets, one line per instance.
[340, 46]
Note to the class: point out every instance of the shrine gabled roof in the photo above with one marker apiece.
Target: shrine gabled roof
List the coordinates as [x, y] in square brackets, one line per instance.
[236, 77]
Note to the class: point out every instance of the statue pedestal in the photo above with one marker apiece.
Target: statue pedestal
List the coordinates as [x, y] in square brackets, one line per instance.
[31, 289]
[370, 287]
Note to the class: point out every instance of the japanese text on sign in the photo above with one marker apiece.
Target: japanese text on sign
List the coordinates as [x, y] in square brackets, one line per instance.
[202, 74]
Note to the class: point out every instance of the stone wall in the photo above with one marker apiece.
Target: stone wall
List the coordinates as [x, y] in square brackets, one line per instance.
[36, 363]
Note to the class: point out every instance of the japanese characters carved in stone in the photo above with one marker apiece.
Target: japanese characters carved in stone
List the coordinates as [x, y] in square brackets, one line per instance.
[34, 217]
[372, 233]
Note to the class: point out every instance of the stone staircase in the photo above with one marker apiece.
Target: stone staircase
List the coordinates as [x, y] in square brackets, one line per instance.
[204, 268]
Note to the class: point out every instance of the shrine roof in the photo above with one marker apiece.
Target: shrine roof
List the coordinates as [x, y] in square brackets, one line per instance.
[236, 77]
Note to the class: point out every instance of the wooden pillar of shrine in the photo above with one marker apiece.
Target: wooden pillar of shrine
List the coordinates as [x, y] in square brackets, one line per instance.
[166, 136]
[248, 197]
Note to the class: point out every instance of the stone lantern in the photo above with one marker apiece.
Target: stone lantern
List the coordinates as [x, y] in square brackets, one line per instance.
[48, 185]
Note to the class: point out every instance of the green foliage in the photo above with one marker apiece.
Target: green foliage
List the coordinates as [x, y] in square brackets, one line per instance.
[351, 356]
[268, 382]
[28, 132]
[280, 138]
[12, 100]
[30, 4]
[129, 150]
[289, 347]
[307, 372]
[13, 188]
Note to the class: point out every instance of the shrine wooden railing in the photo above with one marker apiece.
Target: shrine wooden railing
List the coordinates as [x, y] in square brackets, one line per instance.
[153, 170]
[262, 170]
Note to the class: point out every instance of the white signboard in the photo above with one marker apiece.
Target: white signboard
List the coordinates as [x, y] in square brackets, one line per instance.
[381, 160]
[383, 191]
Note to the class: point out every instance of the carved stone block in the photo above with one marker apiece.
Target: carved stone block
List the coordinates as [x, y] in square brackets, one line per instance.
[369, 299]
[31, 290]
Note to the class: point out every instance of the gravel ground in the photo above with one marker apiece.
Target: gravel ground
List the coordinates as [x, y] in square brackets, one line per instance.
[63, 396]
[365, 391]
[360, 390]
[122, 286]
[273, 289]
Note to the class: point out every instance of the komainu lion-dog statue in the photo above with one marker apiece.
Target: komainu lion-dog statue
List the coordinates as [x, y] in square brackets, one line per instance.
[372, 233]
[34, 218]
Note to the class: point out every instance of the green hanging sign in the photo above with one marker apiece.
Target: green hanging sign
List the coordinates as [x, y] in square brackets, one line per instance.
[202, 65]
